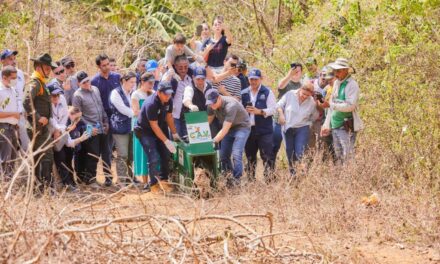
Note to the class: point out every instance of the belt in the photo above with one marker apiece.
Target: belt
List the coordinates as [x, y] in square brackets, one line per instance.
[7, 125]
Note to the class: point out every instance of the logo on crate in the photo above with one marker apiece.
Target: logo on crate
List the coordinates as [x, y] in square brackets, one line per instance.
[199, 133]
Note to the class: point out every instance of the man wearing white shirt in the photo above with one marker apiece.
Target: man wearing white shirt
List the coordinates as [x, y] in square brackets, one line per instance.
[260, 103]
[9, 117]
[8, 58]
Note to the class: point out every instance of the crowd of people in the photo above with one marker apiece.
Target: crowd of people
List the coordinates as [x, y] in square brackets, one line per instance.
[132, 117]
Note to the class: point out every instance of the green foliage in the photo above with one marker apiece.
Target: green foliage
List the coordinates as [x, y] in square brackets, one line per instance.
[144, 15]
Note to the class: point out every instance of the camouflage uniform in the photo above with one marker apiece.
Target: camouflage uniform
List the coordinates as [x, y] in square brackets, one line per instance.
[37, 105]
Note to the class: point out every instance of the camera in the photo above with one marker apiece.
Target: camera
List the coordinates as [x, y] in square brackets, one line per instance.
[241, 66]
[318, 96]
[294, 65]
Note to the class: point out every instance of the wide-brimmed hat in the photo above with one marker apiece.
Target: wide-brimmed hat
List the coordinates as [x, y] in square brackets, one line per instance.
[45, 59]
[340, 63]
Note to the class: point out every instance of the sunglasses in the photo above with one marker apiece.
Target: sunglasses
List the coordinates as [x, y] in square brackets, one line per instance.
[70, 65]
[59, 72]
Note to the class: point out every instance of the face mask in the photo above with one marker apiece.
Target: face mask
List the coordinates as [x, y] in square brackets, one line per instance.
[13, 83]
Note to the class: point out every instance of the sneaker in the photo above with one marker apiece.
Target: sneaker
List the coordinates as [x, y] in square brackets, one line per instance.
[146, 188]
[72, 189]
[94, 186]
[108, 182]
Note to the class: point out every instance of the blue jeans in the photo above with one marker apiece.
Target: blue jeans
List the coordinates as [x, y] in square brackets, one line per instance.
[296, 143]
[180, 127]
[233, 144]
[277, 139]
[343, 143]
[156, 152]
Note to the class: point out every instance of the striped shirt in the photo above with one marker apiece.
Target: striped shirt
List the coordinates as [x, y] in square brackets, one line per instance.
[232, 85]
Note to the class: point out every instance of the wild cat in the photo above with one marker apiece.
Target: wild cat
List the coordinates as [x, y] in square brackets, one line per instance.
[202, 181]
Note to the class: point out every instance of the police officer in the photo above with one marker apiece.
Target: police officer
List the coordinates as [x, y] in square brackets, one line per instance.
[39, 111]
[260, 103]
[151, 128]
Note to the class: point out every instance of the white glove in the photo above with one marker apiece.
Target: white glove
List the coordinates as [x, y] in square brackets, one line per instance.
[176, 137]
[193, 108]
[170, 146]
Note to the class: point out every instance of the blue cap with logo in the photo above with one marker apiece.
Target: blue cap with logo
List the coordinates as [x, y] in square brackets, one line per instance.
[6, 53]
[199, 72]
[254, 74]
[211, 96]
[55, 88]
[151, 65]
[165, 87]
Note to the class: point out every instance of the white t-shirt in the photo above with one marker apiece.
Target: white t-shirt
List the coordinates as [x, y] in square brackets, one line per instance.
[8, 103]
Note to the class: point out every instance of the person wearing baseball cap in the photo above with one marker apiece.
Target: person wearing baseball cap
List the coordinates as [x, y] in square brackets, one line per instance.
[261, 104]
[8, 58]
[151, 129]
[71, 81]
[88, 100]
[39, 111]
[342, 118]
[234, 133]
[194, 95]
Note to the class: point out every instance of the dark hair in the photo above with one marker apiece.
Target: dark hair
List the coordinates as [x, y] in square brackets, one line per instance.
[232, 56]
[127, 76]
[58, 63]
[180, 58]
[179, 39]
[8, 71]
[112, 60]
[100, 58]
[146, 76]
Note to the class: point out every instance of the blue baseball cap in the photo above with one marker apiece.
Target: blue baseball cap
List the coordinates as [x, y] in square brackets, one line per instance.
[6, 53]
[254, 74]
[55, 88]
[165, 87]
[211, 96]
[199, 72]
[151, 65]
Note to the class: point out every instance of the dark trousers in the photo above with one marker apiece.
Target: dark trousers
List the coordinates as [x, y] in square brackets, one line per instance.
[156, 152]
[91, 149]
[277, 139]
[44, 160]
[63, 163]
[106, 153]
[264, 144]
[8, 146]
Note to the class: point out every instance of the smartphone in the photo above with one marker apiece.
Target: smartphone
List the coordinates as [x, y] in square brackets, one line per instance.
[249, 104]
[89, 129]
[199, 30]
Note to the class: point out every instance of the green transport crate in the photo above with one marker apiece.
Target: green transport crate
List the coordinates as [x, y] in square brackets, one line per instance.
[198, 152]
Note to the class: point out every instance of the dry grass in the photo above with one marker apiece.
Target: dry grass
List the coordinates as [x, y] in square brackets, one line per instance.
[318, 218]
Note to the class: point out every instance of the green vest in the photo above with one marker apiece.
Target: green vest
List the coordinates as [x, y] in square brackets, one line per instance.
[338, 117]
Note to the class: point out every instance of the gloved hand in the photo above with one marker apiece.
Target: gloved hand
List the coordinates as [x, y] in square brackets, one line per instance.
[84, 136]
[176, 137]
[193, 108]
[170, 146]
